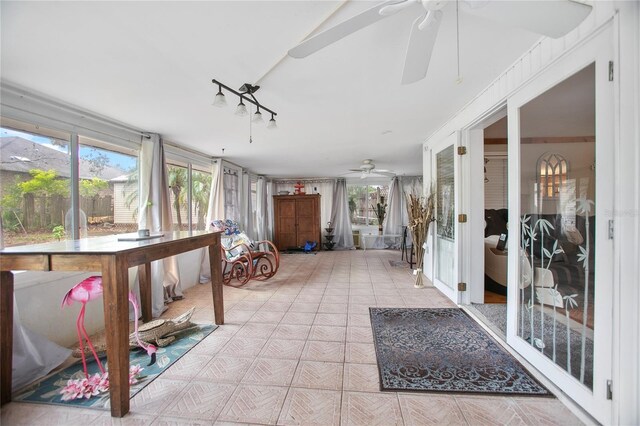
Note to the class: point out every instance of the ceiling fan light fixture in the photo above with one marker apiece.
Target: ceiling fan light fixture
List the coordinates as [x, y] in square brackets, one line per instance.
[220, 100]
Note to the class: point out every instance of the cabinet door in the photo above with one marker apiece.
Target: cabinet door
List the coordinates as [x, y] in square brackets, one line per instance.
[286, 226]
[307, 220]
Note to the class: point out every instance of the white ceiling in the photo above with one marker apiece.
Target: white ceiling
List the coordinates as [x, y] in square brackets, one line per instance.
[150, 64]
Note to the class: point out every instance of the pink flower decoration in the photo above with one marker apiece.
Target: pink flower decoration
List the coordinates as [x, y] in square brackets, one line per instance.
[94, 385]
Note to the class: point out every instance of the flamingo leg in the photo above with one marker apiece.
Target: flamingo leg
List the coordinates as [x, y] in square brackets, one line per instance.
[78, 329]
[146, 347]
[86, 335]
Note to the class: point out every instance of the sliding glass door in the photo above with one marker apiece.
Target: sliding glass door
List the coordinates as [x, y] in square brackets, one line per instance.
[561, 187]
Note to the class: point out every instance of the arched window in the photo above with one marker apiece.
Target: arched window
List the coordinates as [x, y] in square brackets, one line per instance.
[552, 174]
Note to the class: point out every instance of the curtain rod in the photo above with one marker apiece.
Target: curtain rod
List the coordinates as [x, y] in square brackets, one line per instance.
[187, 149]
[78, 126]
[62, 106]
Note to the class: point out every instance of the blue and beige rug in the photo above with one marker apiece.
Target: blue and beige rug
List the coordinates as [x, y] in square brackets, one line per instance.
[444, 350]
[47, 391]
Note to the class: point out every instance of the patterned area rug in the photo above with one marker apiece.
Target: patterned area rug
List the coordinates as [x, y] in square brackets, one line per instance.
[47, 391]
[444, 350]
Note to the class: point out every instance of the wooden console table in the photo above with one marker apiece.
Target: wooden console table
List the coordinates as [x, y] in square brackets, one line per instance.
[113, 258]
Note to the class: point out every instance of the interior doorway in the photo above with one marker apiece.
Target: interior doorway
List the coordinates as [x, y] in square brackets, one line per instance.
[488, 280]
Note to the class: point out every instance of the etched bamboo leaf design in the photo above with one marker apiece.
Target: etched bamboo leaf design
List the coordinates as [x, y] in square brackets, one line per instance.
[545, 227]
[525, 231]
[584, 208]
[554, 295]
[569, 303]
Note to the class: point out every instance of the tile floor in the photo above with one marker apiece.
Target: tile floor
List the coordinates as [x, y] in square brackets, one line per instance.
[298, 349]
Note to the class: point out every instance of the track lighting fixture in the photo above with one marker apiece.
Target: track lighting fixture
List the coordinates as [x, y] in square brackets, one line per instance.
[245, 93]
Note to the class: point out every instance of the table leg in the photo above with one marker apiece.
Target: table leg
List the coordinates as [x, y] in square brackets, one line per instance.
[144, 281]
[115, 283]
[215, 262]
[6, 335]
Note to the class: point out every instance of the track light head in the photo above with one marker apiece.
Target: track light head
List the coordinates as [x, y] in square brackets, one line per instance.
[220, 100]
[241, 109]
[272, 123]
[257, 116]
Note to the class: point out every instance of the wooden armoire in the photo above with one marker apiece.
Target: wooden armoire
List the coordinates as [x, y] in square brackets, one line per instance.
[296, 220]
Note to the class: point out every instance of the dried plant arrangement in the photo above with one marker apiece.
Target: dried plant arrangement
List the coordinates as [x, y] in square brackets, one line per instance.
[380, 210]
[420, 211]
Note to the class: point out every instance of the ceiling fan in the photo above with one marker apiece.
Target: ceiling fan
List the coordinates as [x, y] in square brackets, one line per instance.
[367, 167]
[552, 18]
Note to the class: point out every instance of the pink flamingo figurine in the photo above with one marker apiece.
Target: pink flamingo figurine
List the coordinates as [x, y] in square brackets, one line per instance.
[83, 292]
[86, 291]
[151, 350]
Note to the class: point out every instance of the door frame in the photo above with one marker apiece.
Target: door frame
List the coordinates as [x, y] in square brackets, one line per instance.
[472, 250]
[599, 48]
[451, 292]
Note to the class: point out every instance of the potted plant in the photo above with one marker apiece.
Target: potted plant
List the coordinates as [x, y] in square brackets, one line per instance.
[420, 211]
[380, 209]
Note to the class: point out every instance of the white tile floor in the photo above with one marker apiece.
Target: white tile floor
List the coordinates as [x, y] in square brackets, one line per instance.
[298, 349]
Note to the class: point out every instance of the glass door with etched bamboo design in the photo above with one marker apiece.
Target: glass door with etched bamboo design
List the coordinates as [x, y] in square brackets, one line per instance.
[563, 252]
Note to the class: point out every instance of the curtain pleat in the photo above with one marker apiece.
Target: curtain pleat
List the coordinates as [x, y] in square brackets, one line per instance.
[215, 210]
[262, 215]
[155, 215]
[393, 222]
[340, 217]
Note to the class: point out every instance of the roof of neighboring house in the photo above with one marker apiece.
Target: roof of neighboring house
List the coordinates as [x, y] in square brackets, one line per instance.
[22, 155]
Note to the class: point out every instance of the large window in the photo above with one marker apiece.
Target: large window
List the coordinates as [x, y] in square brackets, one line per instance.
[178, 193]
[35, 196]
[200, 188]
[35, 192]
[231, 185]
[108, 188]
[363, 200]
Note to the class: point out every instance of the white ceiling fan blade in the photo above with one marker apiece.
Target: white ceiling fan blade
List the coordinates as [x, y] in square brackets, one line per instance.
[552, 18]
[392, 9]
[343, 29]
[420, 47]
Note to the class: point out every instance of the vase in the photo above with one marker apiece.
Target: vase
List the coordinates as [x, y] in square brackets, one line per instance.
[419, 278]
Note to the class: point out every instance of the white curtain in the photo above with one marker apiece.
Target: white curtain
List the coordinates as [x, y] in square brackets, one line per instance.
[155, 215]
[246, 221]
[393, 222]
[262, 213]
[340, 217]
[270, 192]
[215, 210]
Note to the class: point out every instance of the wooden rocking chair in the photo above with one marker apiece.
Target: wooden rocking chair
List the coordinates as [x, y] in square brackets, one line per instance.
[244, 260]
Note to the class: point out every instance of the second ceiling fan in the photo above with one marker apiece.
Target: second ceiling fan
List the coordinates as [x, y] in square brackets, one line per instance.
[552, 18]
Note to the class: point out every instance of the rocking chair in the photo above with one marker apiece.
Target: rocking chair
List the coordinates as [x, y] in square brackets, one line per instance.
[244, 260]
